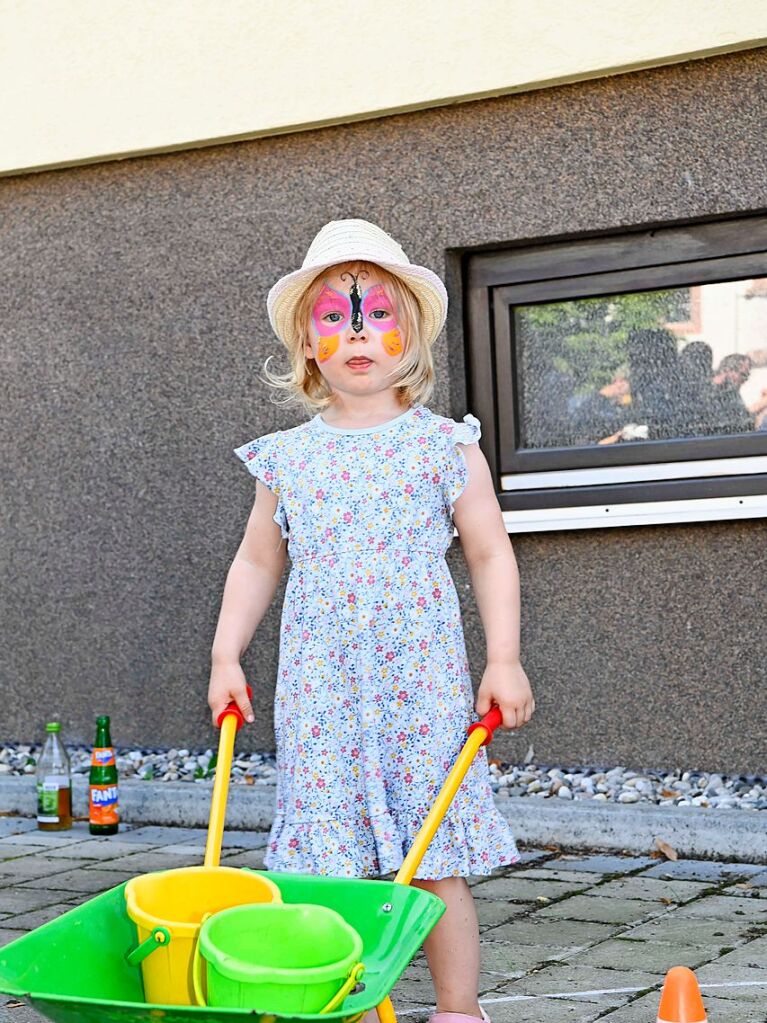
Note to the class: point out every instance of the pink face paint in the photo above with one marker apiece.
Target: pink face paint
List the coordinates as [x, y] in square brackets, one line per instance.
[332, 304]
[374, 300]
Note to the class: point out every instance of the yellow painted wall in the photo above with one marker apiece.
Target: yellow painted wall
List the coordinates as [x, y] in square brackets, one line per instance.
[92, 80]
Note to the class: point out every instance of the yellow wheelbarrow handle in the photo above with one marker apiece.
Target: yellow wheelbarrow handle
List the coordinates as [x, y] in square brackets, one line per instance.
[230, 721]
[480, 734]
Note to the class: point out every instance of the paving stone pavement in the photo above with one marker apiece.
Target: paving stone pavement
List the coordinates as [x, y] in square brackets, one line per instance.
[572, 938]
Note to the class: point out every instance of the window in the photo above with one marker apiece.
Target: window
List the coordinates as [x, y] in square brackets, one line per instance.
[623, 379]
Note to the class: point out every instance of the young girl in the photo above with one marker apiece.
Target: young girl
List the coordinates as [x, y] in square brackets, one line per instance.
[373, 693]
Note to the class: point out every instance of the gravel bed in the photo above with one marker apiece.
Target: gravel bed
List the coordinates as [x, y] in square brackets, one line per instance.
[614, 785]
[149, 765]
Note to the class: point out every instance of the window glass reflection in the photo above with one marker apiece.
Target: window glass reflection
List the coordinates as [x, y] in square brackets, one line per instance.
[682, 362]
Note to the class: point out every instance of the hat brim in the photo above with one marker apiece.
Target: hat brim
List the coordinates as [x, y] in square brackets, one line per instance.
[424, 283]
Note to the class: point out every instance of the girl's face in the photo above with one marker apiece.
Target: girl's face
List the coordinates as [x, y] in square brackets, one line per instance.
[354, 334]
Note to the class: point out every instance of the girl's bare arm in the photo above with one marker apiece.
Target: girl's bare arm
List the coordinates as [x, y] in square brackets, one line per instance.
[495, 581]
[251, 583]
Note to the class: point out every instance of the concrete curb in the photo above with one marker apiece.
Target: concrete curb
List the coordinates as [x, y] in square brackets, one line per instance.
[695, 832]
[738, 836]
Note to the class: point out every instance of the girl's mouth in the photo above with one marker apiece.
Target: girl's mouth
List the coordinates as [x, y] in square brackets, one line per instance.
[359, 363]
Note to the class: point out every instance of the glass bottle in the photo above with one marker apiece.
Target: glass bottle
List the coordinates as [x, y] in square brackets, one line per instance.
[103, 816]
[54, 783]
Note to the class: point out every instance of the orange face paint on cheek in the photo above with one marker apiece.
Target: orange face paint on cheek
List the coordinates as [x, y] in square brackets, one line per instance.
[327, 346]
[392, 342]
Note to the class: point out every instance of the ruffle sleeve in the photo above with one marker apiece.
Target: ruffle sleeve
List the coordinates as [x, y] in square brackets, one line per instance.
[456, 471]
[261, 458]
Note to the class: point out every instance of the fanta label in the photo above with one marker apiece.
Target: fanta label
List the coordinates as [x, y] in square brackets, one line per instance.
[103, 757]
[103, 804]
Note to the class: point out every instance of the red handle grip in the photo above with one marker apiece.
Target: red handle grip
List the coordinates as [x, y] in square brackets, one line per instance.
[490, 721]
[232, 708]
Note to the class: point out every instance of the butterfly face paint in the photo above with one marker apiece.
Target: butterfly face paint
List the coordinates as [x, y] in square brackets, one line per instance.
[334, 311]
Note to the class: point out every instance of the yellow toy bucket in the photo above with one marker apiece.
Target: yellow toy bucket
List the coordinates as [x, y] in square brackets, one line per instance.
[168, 908]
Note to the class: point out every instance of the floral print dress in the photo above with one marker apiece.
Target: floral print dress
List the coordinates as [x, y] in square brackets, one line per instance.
[373, 694]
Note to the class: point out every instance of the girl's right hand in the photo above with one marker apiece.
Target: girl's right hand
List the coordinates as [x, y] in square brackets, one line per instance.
[227, 683]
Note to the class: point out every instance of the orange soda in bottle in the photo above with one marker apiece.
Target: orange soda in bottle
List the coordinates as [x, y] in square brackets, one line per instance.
[103, 814]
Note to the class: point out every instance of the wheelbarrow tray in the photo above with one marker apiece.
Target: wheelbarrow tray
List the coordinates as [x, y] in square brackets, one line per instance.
[73, 969]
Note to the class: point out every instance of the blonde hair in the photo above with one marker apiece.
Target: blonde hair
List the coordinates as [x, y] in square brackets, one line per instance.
[304, 385]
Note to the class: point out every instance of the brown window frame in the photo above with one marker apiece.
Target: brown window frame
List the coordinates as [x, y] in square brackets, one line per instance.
[639, 259]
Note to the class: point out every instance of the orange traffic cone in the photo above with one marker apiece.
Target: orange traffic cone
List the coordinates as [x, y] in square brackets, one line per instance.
[680, 1000]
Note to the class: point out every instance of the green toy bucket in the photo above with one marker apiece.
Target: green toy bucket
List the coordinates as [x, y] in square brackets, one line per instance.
[278, 958]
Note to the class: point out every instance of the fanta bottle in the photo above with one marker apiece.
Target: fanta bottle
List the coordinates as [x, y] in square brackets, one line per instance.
[103, 813]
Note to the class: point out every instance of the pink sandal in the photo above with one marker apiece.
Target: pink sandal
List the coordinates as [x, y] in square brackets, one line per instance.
[457, 1017]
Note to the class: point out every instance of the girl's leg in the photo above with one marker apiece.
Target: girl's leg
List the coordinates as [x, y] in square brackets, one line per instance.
[452, 948]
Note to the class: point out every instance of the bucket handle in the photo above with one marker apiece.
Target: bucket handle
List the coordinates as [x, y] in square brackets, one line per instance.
[199, 995]
[349, 984]
[160, 936]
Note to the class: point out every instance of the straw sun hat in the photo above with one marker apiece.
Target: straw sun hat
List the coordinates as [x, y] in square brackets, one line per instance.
[345, 241]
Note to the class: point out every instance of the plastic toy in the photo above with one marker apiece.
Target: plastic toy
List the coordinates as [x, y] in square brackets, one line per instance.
[81, 967]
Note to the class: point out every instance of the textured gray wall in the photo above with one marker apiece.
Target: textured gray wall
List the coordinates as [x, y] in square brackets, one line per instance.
[133, 326]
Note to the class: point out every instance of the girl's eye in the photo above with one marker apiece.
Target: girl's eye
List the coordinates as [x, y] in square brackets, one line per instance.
[383, 313]
[327, 316]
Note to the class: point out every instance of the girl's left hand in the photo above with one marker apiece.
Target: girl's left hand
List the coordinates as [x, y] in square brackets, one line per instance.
[505, 683]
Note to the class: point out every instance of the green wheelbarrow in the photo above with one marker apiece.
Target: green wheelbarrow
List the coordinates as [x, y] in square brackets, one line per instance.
[77, 968]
